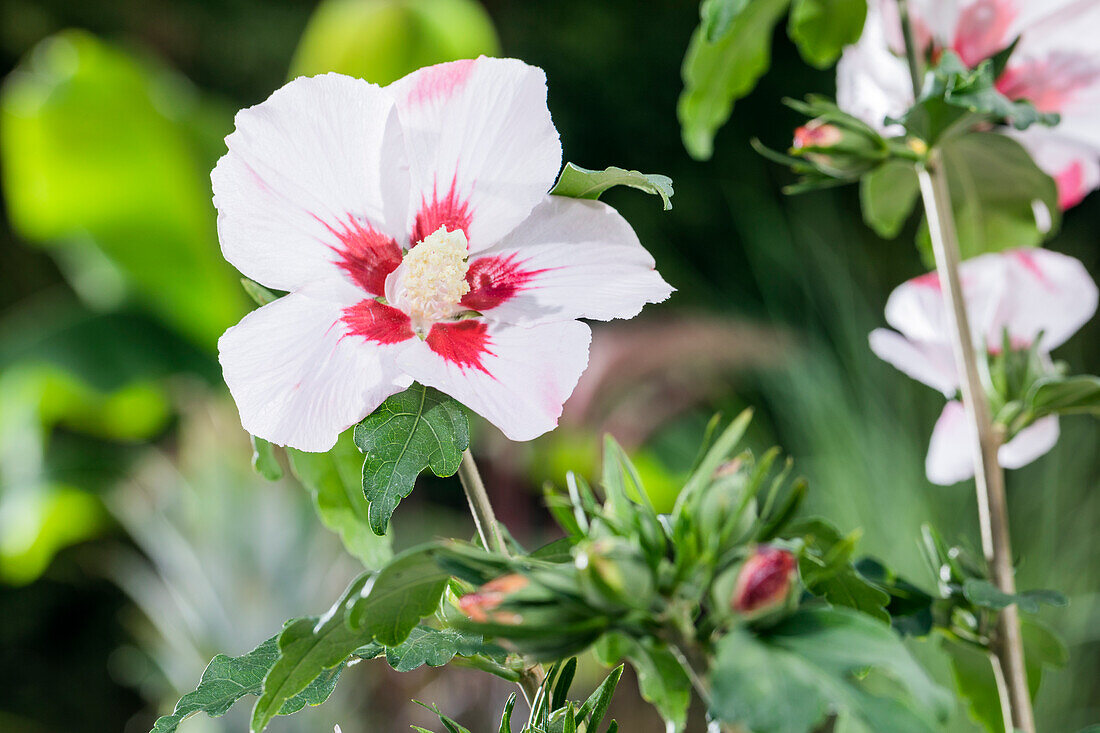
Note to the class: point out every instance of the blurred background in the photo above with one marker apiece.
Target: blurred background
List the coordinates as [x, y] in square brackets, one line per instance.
[136, 541]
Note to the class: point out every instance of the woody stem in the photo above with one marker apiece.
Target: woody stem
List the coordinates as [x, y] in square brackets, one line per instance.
[488, 528]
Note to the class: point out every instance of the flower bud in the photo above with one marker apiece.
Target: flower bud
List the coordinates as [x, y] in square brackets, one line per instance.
[481, 605]
[817, 134]
[613, 575]
[836, 149]
[764, 582]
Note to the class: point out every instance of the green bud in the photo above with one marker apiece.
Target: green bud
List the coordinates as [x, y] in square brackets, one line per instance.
[613, 574]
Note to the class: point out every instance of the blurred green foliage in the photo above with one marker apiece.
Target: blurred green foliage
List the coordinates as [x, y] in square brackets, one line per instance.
[382, 40]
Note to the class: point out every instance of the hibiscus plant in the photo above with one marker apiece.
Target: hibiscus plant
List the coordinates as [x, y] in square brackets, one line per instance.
[417, 251]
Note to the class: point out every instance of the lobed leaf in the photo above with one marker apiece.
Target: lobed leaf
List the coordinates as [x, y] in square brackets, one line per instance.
[412, 430]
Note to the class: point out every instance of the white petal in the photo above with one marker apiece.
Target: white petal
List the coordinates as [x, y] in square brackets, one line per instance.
[1043, 291]
[950, 452]
[1074, 165]
[516, 378]
[570, 259]
[482, 148]
[917, 309]
[872, 82]
[930, 363]
[297, 380]
[321, 162]
[1030, 443]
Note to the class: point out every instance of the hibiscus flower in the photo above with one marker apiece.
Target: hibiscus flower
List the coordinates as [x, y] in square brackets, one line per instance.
[412, 227]
[1029, 294]
[1055, 65]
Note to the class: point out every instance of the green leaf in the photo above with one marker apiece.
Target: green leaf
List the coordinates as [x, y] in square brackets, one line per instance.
[228, 679]
[259, 294]
[887, 196]
[718, 72]
[402, 593]
[308, 648]
[1064, 395]
[433, 647]
[264, 461]
[661, 679]
[995, 189]
[412, 430]
[826, 568]
[985, 594]
[790, 679]
[956, 99]
[975, 683]
[822, 28]
[582, 183]
[334, 481]
[1042, 648]
[103, 167]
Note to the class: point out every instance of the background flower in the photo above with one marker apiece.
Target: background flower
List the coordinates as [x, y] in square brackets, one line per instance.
[1026, 295]
[1055, 65]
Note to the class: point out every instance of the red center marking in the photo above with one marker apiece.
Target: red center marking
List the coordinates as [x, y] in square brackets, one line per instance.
[366, 254]
[449, 211]
[463, 343]
[494, 280]
[378, 322]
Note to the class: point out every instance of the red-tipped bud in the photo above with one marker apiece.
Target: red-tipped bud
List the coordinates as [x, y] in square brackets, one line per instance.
[817, 134]
[480, 606]
[764, 582]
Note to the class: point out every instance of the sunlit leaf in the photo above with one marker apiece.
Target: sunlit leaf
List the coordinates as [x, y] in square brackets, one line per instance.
[582, 183]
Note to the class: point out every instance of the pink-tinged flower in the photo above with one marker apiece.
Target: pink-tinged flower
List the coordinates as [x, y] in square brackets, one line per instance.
[1024, 292]
[412, 226]
[764, 582]
[1056, 66]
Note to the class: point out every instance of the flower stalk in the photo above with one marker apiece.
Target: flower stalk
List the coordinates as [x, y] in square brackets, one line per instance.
[1006, 644]
[488, 528]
